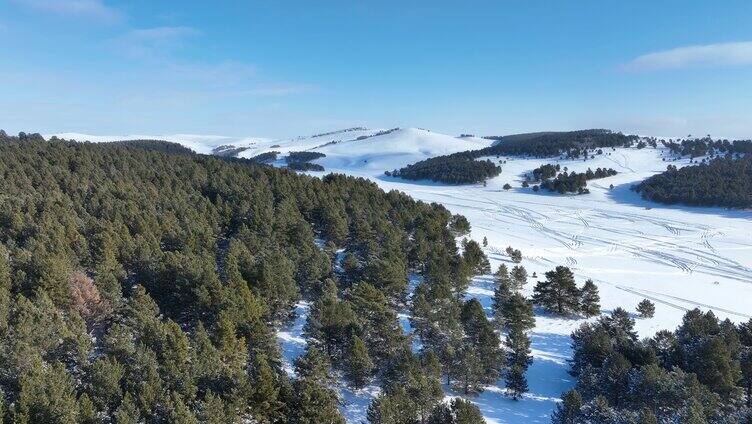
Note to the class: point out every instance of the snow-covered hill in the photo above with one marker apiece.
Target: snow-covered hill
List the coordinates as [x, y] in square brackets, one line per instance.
[679, 257]
[375, 150]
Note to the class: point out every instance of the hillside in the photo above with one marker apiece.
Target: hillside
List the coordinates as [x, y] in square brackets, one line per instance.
[678, 257]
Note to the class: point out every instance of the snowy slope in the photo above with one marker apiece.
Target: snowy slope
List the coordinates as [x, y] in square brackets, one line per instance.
[679, 257]
[203, 144]
[373, 150]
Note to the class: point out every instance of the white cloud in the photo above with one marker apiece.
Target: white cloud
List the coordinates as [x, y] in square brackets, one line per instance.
[94, 9]
[277, 90]
[157, 41]
[709, 55]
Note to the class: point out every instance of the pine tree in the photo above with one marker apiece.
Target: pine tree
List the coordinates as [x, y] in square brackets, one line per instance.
[515, 381]
[518, 359]
[481, 344]
[87, 413]
[519, 276]
[265, 402]
[598, 411]
[313, 403]
[502, 294]
[568, 411]
[127, 412]
[559, 293]
[313, 365]
[590, 299]
[646, 308]
[474, 258]
[458, 411]
[746, 370]
[518, 313]
[358, 364]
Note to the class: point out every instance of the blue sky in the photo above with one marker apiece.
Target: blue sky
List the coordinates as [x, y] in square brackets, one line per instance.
[284, 68]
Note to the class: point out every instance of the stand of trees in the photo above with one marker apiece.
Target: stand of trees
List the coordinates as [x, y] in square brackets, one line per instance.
[144, 286]
[294, 157]
[698, 147]
[719, 182]
[575, 182]
[459, 168]
[700, 373]
[266, 157]
[464, 168]
[573, 144]
[305, 166]
[559, 294]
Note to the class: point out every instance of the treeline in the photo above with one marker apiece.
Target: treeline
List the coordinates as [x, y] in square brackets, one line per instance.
[305, 166]
[698, 147]
[293, 157]
[458, 168]
[463, 168]
[718, 182]
[301, 161]
[572, 144]
[573, 182]
[266, 157]
[140, 286]
[700, 373]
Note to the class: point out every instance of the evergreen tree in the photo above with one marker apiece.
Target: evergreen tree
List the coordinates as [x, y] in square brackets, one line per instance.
[568, 411]
[502, 294]
[127, 412]
[559, 293]
[518, 313]
[458, 411]
[516, 381]
[313, 403]
[265, 402]
[474, 258]
[519, 276]
[358, 365]
[646, 308]
[480, 359]
[519, 359]
[590, 300]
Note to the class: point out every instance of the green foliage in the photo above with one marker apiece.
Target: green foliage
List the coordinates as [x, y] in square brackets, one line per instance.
[140, 281]
[458, 411]
[358, 364]
[723, 181]
[558, 293]
[646, 308]
[590, 300]
[690, 375]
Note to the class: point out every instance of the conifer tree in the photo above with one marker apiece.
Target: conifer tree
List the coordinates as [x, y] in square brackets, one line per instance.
[558, 293]
[515, 381]
[127, 412]
[502, 293]
[518, 360]
[379, 326]
[265, 401]
[358, 364]
[590, 305]
[458, 411]
[646, 308]
[518, 313]
[519, 276]
[568, 411]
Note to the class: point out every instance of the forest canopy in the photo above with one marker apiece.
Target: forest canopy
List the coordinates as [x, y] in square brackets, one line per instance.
[723, 181]
[139, 285]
